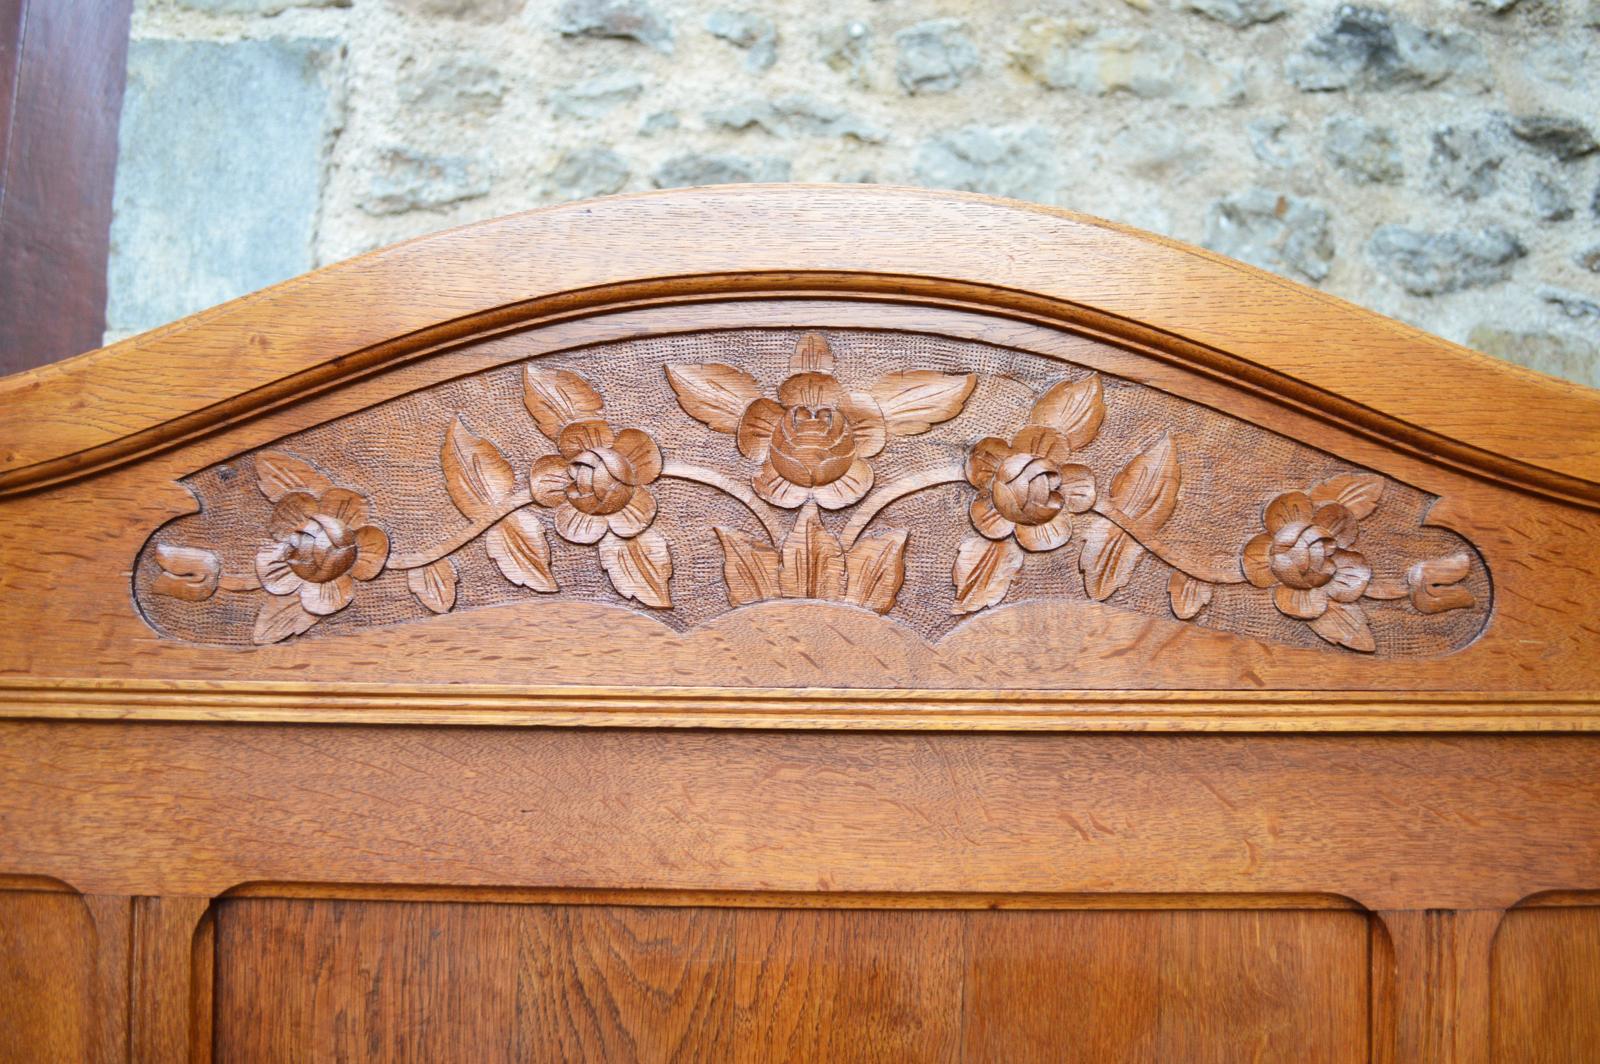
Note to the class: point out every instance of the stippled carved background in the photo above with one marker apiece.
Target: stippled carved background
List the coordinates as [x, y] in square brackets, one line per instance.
[925, 478]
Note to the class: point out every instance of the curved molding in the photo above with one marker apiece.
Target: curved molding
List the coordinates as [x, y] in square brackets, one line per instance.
[314, 332]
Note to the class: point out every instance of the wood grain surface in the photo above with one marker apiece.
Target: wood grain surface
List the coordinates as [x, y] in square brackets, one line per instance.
[1546, 985]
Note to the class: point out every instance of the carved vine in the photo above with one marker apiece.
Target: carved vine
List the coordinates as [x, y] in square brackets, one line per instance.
[808, 447]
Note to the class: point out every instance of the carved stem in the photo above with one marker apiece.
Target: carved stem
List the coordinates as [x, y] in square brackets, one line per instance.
[894, 490]
[728, 486]
[1386, 590]
[1152, 543]
[239, 582]
[427, 556]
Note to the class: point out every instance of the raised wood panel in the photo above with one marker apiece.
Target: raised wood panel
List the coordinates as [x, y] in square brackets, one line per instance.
[63, 977]
[388, 981]
[1546, 987]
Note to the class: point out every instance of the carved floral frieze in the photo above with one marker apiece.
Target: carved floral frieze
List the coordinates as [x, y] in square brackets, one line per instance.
[848, 483]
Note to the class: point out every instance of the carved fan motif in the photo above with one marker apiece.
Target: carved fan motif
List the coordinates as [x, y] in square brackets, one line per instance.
[817, 452]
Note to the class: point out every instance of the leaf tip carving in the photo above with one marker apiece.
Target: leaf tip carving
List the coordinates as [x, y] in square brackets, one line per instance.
[983, 571]
[476, 475]
[279, 473]
[915, 400]
[280, 617]
[558, 397]
[640, 568]
[1073, 408]
[713, 393]
[518, 547]
[1189, 596]
[434, 585]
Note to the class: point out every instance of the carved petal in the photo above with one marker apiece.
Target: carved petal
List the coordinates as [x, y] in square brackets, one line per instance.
[1047, 443]
[273, 570]
[1047, 536]
[518, 546]
[558, 397]
[583, 436]
[984, 459]
[372, 550]
[1189, 596]
[1073, 408]
[346, 505]
[749, 566]
[188, 573]
[779, 492]
[640, 568]
[987, 520]
[813, 561]
[280, 617]
[866, 422]
[915, 400]
[812, 355]
[476, 474]
[278, 474]
[713, 393]
[1358, 493]
[549, 480]
[434, 585]
[1291, 506]
[1345, 625]
[983, 572]
[328, 598]
[811, 389]
[291, 514]
[1256, 561]
[576, 526]
[1306, 603]
[1147, 487]
[874, 570]
[848, 489]
[641, 452]
[634, 517]
[1077, 487]
[1339, 521]
[1351, 576]
[755, 428]
[1107, 559]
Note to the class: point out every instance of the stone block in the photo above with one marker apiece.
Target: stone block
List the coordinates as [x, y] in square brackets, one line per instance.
[405, 179]
[1431, 263]
[1273, 230]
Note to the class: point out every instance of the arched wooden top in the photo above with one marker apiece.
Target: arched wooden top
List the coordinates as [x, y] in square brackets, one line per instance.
[1366, 371]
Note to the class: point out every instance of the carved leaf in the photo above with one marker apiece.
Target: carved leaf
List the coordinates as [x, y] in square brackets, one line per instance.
[188, 573]
[713, 393]
[640, 568]
[813, 561]
[434, 585]
[1189, 596]
[1345, 625]
[1434, 583]
[518, 546]
[280, 617]
[1147, 488]
[983, 572]
[749, 566]
[475, 472]
[277, 474]
[1074, 409]
[874, 570]
[1358, 493]
[915, 400]
[812, 355]
[1107, 558]
[558, 397]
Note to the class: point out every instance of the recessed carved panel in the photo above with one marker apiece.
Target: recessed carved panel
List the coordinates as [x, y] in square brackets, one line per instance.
[923, 478]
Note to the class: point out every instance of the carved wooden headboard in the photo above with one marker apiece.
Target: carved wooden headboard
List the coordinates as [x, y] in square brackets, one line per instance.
[770, 478]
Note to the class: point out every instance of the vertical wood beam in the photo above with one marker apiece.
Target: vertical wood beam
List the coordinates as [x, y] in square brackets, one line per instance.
[1438, 970]
[173, 944]
[113, 926]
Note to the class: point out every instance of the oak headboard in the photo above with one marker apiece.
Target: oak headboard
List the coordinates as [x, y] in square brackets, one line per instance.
[802, 470]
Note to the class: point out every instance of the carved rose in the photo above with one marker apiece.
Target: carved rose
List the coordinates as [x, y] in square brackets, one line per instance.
[597, 484]
[1306, 557]
[1027, 488]
[321, 544]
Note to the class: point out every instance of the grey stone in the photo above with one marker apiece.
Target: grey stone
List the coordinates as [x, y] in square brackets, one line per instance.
[1066, 54]
[744, 29]
[1267, 141]
[597, 96]
[1548, 200]
[717, 169]
[462, 10]
[1158, 151]
[1368, 48]
[633, 20]
[1561, 354]
[1572, 304]
[795, 115]
[1278, 232]
[454, 85]
[1465, 162]
[1589, 258]
[1239, 14]
[934, 56]
[1362, 152]
[589, 172]
[1005, 161]
[847, 49]
[223, 150]
[1558, 135]
[1431, 263]
[404, 179]
[255, 7]
[659, 123]
[1496, 7]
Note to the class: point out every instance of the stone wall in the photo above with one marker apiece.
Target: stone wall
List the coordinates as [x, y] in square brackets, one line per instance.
[1434, 161]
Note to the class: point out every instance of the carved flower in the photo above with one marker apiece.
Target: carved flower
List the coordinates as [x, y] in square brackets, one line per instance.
[814, 440]
[1027, 488]
[597, 484]
[1306, 557]
[321, 544]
